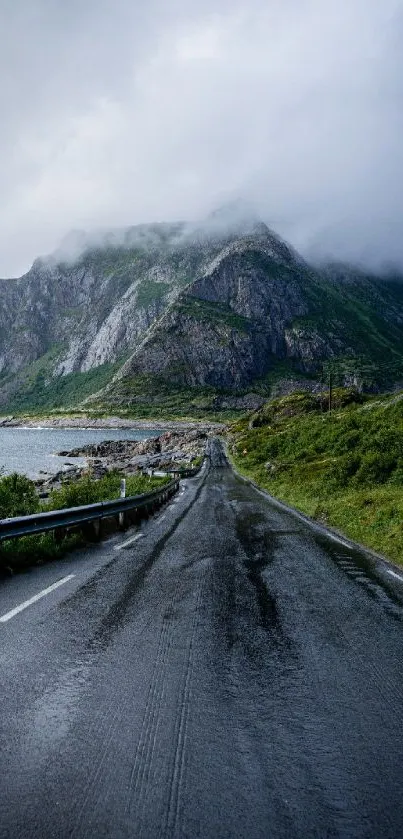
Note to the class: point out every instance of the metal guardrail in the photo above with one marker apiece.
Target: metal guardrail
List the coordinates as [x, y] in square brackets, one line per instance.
[71, 516]
[184, 473]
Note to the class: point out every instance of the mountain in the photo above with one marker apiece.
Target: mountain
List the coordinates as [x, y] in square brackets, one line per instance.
[67, 324]
[208, 312]
[258, 313]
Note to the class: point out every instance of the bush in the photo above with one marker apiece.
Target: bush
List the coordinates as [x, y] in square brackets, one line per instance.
[397, 477]
[347, 442]
[344, 469]
[376, 468]
[81, 492]
[89, 491]
[18, 496]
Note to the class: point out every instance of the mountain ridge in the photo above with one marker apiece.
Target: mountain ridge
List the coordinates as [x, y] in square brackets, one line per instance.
[187, 306]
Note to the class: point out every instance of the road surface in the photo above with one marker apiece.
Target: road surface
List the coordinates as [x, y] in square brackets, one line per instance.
[227, 671]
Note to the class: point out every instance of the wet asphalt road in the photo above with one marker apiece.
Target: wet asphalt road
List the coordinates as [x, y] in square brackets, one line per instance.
[232, 673]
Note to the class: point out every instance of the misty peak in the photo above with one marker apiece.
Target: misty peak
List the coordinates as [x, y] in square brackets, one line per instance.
[231, 221]
[71, 246]
[236, 216]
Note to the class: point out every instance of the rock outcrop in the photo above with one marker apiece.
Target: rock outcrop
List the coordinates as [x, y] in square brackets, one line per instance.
[171, 450]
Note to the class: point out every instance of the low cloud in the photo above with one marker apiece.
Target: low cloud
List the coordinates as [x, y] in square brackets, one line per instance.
[114, 114]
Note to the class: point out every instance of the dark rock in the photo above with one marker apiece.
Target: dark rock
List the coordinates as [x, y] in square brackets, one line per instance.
[170, 449]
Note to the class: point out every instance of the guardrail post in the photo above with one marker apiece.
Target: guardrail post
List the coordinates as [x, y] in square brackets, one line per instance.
[97, 529]
[59, 534]
[91, 530]
[122, 495]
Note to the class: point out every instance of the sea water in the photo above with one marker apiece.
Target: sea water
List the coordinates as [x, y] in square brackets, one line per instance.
[31, 451]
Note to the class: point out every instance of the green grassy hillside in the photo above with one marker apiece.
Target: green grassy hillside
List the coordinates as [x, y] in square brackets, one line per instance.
[344, 468]
[151, 397]
[39, 392]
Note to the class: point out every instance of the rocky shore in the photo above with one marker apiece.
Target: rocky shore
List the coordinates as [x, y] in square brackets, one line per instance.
[171, 450]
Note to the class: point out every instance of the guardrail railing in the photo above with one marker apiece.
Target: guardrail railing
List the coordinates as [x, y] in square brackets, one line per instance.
[184, 473]
[73, 516]
[60, 520]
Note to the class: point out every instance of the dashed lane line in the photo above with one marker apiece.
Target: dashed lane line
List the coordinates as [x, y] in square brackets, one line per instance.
[46, 591]
[129, 542]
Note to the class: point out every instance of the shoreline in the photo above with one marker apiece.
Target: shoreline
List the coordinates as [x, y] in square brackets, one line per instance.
[101, 443]
[107, 423]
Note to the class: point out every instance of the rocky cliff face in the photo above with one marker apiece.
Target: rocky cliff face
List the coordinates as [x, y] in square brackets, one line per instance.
[257, 304]
[63, 318]
[206, 308]
[230, 321]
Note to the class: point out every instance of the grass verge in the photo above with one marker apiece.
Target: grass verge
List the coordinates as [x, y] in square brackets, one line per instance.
[344, 469]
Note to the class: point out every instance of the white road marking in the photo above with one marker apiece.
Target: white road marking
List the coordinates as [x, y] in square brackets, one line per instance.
[129, 542]
[161, 518]
[393, 574]
[22, 606]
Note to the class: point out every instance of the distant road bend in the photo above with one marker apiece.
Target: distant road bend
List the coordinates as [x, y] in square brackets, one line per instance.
[227, 671]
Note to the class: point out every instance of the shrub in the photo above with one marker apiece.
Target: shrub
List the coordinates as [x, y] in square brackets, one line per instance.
[89, 491]
[18, 496]
[376, 468]
[347, 442]
[344, 469]
[397, 477]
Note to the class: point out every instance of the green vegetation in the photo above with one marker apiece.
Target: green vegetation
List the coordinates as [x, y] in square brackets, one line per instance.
[344, 468]
[39, 370]
[149, 291]
[211, 312]
[196, 462]
[18, 497]
[282, 370]
[42, 392]
[88, 491]
[112, 260]
[152, 397]
[353, 311]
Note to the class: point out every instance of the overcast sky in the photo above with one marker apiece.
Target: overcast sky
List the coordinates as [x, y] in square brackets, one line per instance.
[115, 112]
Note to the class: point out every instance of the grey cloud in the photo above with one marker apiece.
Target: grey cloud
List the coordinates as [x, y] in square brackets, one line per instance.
[115, 113]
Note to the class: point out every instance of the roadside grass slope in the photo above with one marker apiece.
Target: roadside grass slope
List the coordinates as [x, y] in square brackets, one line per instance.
[343, 468]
